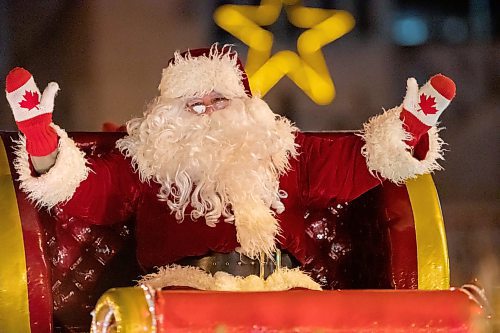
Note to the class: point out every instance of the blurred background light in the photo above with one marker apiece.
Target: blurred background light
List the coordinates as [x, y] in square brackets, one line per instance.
[410, 31]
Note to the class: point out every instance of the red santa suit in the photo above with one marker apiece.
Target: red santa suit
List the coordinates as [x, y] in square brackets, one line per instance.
[108, 189]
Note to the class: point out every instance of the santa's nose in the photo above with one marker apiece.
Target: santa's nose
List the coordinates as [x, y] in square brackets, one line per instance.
[207, 99]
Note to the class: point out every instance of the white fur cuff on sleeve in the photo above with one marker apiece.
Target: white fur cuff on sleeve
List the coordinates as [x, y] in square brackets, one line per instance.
[388, 156]
[60, 182]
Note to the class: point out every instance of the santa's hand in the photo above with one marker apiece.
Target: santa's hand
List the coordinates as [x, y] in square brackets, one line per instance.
[422, 108]
[32, 111]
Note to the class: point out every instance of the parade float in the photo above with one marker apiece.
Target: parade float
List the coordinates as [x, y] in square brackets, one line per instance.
[394, 277]
[381, 259]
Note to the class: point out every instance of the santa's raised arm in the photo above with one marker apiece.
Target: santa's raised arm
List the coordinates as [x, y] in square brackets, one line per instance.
[206, 150]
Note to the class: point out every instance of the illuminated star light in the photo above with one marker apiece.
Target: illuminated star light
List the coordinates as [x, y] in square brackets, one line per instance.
[307, 69]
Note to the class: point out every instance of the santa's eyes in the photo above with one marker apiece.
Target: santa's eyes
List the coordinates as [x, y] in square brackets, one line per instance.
[219, 100]
[213, 101]
[202, 105]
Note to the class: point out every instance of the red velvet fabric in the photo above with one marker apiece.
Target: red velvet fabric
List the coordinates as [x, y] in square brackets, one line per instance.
[328, 172]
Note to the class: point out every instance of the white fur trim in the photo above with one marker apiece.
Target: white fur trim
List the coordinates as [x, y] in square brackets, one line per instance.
[389, 156]
[197, 76]
[194, 277]
[60, 182]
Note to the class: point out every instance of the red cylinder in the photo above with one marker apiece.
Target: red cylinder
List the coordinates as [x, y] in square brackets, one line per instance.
[311, 311]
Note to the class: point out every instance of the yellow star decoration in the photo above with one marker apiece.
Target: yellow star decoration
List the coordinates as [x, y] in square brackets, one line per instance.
[307, 69]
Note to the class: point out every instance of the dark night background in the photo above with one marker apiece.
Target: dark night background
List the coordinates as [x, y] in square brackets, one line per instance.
[107, 57]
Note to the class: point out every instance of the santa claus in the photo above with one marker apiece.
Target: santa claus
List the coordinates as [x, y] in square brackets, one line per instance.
[216, 181]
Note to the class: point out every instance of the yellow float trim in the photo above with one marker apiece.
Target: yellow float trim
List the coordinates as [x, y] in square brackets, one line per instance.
[14, 305]
[432, 250]
[125, 309]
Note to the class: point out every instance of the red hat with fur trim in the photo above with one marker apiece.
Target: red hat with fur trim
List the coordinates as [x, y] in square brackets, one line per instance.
[197, 72]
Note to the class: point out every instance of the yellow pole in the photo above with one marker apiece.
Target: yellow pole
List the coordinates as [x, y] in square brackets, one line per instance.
[14, 306]
[432, 250]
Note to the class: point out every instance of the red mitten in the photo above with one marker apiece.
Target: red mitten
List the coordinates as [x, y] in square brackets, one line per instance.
[33, 114]
[422, 108]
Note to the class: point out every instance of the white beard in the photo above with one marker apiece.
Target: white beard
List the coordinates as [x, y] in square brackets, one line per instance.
[226, 164]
